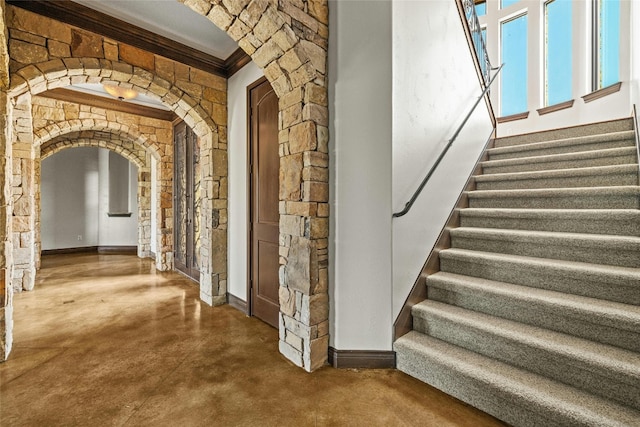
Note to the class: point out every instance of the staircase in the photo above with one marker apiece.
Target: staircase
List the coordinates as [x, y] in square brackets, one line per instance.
[534, 316]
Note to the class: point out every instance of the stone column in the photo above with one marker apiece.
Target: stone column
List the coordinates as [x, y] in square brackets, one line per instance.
[304, 231]
[6, 297]
[37, 238]
[6, 249]
[24, 205]
[213, 220]
[144, 209]
[288, 40]
[164, 257]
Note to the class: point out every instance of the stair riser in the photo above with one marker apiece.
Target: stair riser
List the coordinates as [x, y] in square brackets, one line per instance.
[586, 130]
[486, 397]
[562, 149]
[571, 282]
[561, 164]
[595, 252]
[540, 315]
[604, 226]
[543, 361]
[557, 182]
[564, 202]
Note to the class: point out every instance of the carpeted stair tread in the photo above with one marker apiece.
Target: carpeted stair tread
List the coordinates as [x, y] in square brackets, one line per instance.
[619, 197]
[567, 145]
[606, 157]
[603, 128]
[612, 283]
[596, 368]
[534, 313]
[607, 322]
[597, 176]
[602, 249]
[590, 221]
[514, 395]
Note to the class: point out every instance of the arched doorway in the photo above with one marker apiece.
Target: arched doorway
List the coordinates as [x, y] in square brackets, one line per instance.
[289, 41]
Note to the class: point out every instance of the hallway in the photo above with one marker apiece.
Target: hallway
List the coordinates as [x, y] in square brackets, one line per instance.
[105, 340]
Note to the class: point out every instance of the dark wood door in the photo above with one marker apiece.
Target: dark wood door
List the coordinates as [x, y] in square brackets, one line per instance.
[186, 200]
[264, 167]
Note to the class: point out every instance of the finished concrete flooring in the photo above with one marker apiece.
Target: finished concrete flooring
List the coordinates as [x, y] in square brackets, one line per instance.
[105, 340]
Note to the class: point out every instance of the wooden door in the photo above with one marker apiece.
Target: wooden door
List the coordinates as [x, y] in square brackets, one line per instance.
[186, 200]
[264, 219]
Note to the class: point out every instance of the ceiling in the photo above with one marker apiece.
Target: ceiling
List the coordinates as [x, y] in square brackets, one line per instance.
[170, 19]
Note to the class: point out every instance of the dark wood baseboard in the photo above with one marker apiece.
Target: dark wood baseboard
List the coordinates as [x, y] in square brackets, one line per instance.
[118, 250]
[107, 250]
[365, 359]
[237, 303]
[83, 249]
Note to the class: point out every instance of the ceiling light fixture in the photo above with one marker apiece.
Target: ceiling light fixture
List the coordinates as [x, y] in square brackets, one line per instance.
[122, 93]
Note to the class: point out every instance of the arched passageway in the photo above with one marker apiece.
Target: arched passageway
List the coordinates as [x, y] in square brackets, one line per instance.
[287, 40]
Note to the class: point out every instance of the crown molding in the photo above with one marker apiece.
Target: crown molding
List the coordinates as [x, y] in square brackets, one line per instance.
[100, 23]
[74, 96]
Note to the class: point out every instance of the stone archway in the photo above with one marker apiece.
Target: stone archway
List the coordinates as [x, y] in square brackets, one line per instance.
[33, 79]
[289, 40]
[130, 150]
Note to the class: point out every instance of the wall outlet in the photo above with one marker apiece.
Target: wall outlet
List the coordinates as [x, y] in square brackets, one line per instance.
[79, 237]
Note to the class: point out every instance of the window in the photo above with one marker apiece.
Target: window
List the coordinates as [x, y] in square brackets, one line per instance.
[118, 184]
[606, 50]
[513, 90]
[507, 3]
[557, 51]
[481, 7]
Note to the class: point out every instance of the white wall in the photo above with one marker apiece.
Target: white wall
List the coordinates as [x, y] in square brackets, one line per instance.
[117, 231]
[238, 186]
[75, 202]
[434, 86]
[360, 88]
[611, 107]
[69, 199]
[634, 53]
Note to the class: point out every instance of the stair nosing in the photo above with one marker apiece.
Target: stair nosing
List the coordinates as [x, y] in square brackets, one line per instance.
[614, 312]
[630, 272]
[555, 192]
[566, 142]
[559, 173]
[578, 155]
[541, 213]
[586, 238]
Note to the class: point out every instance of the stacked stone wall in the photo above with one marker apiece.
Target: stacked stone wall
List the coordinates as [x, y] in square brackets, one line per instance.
[288, 39]
[46, 54]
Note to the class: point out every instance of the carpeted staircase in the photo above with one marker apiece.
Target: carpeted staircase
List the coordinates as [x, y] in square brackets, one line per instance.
[535, 314]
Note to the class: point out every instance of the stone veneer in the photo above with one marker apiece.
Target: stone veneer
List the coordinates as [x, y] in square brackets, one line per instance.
[288, 39]
[59, 125]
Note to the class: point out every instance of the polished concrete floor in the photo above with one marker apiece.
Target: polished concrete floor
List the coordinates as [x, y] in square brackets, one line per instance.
[105, 340]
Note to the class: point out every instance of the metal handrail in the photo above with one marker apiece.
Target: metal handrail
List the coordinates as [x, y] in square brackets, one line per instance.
[637, 133]
[473, 23]
[411, 201]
